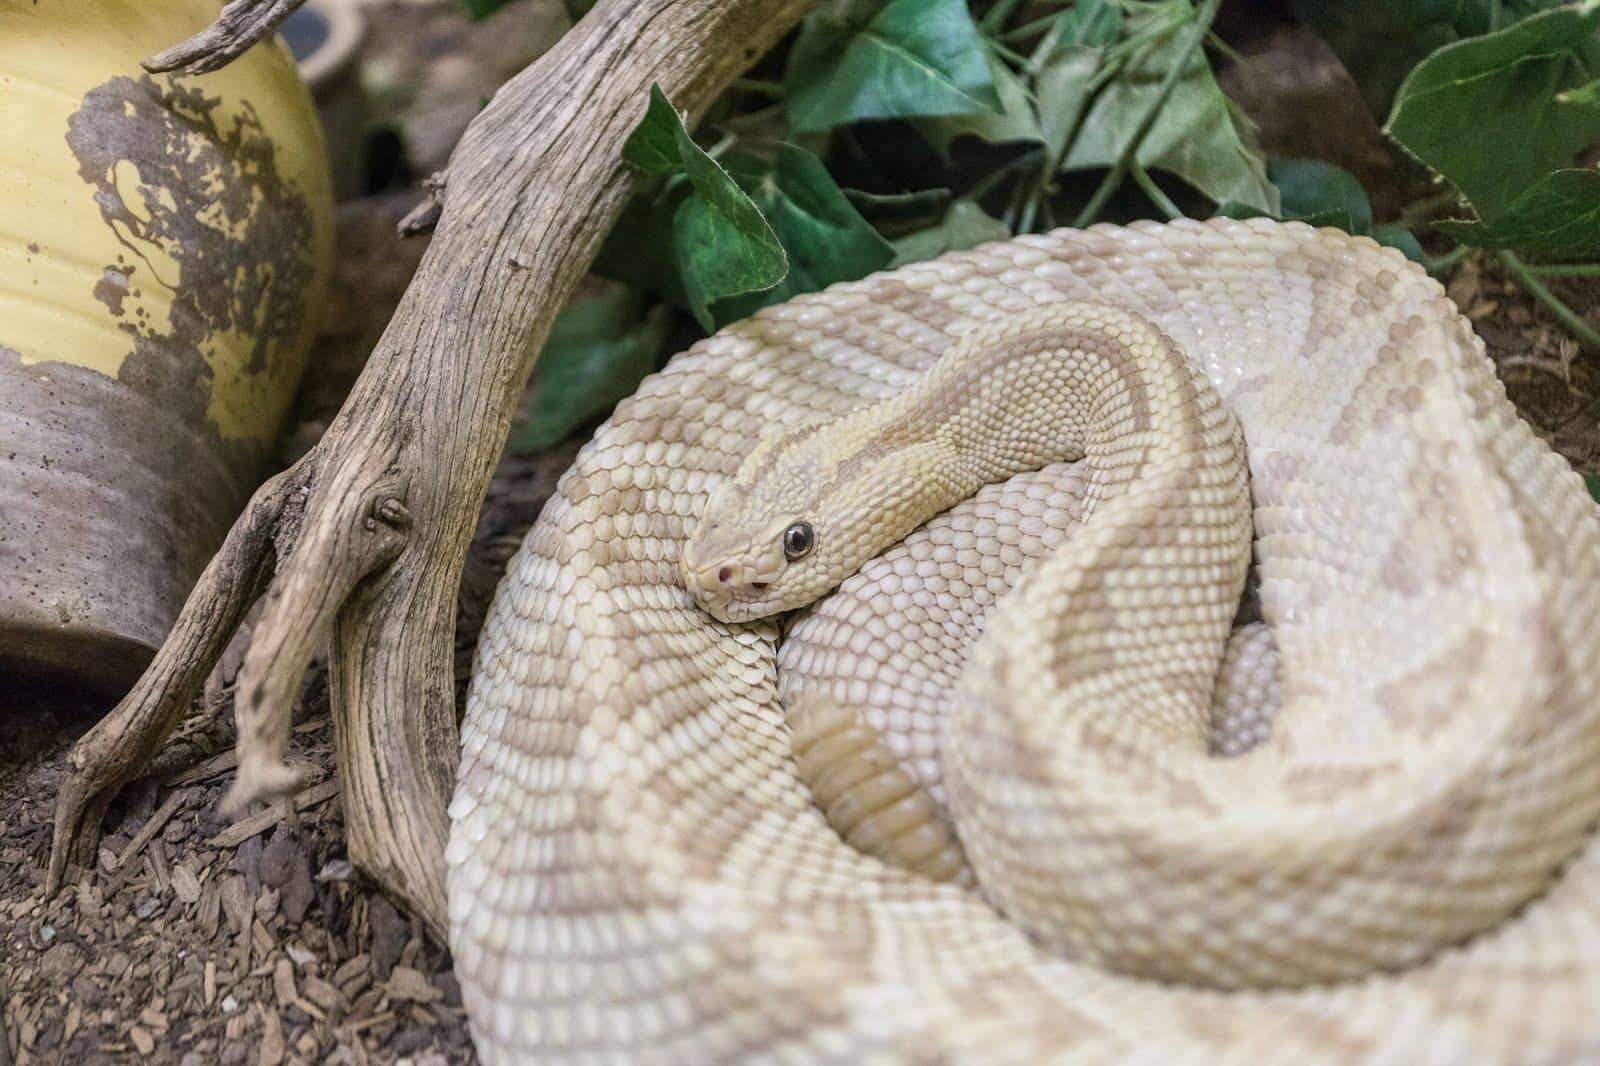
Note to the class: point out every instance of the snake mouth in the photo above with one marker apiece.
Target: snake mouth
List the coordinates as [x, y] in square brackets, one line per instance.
[730, 591]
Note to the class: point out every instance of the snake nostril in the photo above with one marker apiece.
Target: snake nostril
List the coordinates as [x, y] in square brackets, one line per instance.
[725, 575]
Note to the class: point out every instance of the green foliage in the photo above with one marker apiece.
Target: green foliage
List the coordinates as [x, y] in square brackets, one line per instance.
[723, 245]
[903, 129]
[825, 237]
[1593, 481]
[860, 59]
[1498, 97]
[597, 351]
[1556, 218]
[1198, 135]
[1321, 194]
[1395, 235]
[1494, 116]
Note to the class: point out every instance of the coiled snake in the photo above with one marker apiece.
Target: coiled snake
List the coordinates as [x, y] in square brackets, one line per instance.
[1026, 713]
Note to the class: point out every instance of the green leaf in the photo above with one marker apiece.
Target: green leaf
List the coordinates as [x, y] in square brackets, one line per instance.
[724, 248]
[1063, 92]
[965, 225]
[859, 59]
[824, 236]
[1380, 41]
[1487, 113]
[653, 144]
[1558, 218]
[720, 243]
[1013, 119]
[1234, 209]
[1394, 235]
[1593, 481]
[1320, 194]
[1198, 136]
[1096, 23]
[1588, 95]
[596, 354]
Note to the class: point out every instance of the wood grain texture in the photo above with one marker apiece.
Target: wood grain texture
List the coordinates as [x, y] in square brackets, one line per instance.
[533, 187]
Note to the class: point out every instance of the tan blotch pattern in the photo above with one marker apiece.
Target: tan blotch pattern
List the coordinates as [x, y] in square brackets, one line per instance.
[1356, 831]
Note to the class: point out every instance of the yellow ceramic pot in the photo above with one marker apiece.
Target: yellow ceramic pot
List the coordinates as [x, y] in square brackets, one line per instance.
[163, 252]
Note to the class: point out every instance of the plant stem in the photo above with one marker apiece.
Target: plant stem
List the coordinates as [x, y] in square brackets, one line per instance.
[1588, 337]
[750, 120]
[728, 140]
[1565, 270]
[1022, 33]
[1440, 264]
[1153, 191]
[1113, 179]
[1014, 57]
[1419, 212]
[770, 89]
[1030, 207]
[990, 180]
[1019, 197]
[996, 16]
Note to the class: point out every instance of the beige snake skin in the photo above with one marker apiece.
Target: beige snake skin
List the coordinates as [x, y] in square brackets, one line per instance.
[1400, 872]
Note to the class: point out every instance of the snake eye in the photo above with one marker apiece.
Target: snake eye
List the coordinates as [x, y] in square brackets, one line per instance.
[797, 541]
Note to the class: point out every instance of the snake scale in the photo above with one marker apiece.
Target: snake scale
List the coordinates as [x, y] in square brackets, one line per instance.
[1085, 824]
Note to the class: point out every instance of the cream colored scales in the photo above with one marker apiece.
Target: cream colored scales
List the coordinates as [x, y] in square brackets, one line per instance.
[1401, 872]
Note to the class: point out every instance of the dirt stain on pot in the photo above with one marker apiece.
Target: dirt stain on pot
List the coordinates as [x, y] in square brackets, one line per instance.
[192, 192]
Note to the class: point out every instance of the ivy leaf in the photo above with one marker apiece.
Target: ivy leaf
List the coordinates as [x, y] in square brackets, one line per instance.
[1063, 91]
[1013, 120]
[1320, 194]
[859, 59]
[721, 244]
[965, 225]
[1097, 23]
[597, 352]
[1558, 218]
[1198, 135]
[1489, 114]
[1588, 95]
[653, 144]
[724, 248]
[824, 236]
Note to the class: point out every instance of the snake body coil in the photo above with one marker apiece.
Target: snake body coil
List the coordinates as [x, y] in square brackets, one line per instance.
[1034, 656]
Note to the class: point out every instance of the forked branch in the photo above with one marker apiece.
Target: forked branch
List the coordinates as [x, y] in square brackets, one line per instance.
[362, 542]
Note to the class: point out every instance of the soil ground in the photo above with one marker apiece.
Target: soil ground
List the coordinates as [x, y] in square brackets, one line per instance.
[194, 941]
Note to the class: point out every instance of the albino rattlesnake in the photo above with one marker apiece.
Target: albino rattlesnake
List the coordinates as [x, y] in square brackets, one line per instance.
[1401, 873]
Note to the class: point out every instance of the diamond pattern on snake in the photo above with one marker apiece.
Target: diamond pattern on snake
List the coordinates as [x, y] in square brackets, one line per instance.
[875, 687]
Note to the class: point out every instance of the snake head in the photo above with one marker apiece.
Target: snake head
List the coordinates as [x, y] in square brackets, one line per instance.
[803, 513]
[754, 552]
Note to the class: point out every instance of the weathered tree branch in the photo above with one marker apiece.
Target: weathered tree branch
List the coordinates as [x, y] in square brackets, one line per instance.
[117, 748]
[363, 540]
[238, 27]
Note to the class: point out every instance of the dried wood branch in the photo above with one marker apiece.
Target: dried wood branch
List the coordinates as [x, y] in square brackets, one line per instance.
[240, 25]
[362, 541]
